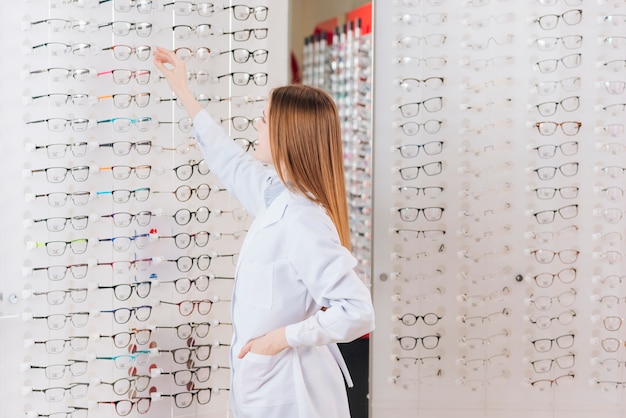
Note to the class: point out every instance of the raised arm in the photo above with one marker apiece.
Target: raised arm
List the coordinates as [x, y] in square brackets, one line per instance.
[243, 175]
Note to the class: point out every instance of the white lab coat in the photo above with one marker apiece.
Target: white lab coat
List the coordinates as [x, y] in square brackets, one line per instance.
[291, 264]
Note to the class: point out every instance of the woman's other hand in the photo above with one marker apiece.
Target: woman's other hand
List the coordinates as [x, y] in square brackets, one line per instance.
[269, 344]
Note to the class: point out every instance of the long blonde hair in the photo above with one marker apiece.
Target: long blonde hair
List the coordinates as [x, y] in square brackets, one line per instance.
[306, 147]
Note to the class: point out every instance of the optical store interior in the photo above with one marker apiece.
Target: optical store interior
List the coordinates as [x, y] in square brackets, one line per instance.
[484, 145]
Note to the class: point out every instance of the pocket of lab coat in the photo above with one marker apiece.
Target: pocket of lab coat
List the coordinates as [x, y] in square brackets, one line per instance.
[255, 285]
[266, 380]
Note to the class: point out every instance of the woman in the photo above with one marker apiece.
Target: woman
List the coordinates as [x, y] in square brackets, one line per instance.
[295, 292]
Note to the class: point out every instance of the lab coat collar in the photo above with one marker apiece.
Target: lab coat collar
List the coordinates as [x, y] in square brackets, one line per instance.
[276, 210]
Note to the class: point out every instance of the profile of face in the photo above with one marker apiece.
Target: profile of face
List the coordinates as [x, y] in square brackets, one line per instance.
[262, 150]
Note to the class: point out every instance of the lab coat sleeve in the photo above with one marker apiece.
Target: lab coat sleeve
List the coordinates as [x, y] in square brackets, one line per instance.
[327, 270]
[243, 175]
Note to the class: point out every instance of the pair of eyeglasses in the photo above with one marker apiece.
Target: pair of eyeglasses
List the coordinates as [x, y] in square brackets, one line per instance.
[58, 345]
[546, 88]
[61, 48]
[412, 172]
[545, 321]
[183, 355]
[409, 41]
[56, 151]
[241, 123]
[57, 394]
[56, 224]
[569, 104]
[184, 124]
[567, 148]
[549, 43]
[427, 191]
[544, 384]
[430, 18]
[123, 28]
[543, 303]
[142, 6]
[565, 361]
[407, 234]
[186, 376]
[544, 345]
[433, 104]
[183, 240]
[243, 79]
[243, 12]
[183, 193]
[243, 35]
[186, 53]
[480, 64]
[549, 172]
[123, 100]
[124, 407]
[121, 148]
[550, 21]
[186, 307]
[58, 321]
[411, 319]
[124, 361]
[123, 339]
[122, 172]
[57, 297]
[124, 52]
[57, 248]
[62, 99]
[143, 124]
[124, 219]
[486, 43]
[184, 216]
[57, 371]
[410, 214]
[60, 124]
[549, 128]
[123, 195]
[63, 74]
[123, 76]
[201, 98]
[242, 55]
[410, 83]
[431, 126]
[185, 263]
[59, 174]
[429, 342]
[184, 331]
[547, 216]
[56, 273]
[124, 291]
[183, 32]
[185, 8]
[123, 315]
[124, 385]
[433, 63]
[550, 65]
[565, 233]
[545, 256]
[58, 25]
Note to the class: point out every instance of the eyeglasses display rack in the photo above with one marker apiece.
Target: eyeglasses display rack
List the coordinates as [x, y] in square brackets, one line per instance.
[497, 214]
[341, 63]
[115, 284]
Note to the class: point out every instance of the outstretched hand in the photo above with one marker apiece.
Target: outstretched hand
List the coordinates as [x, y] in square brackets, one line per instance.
[174, 70]
[172, 67]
